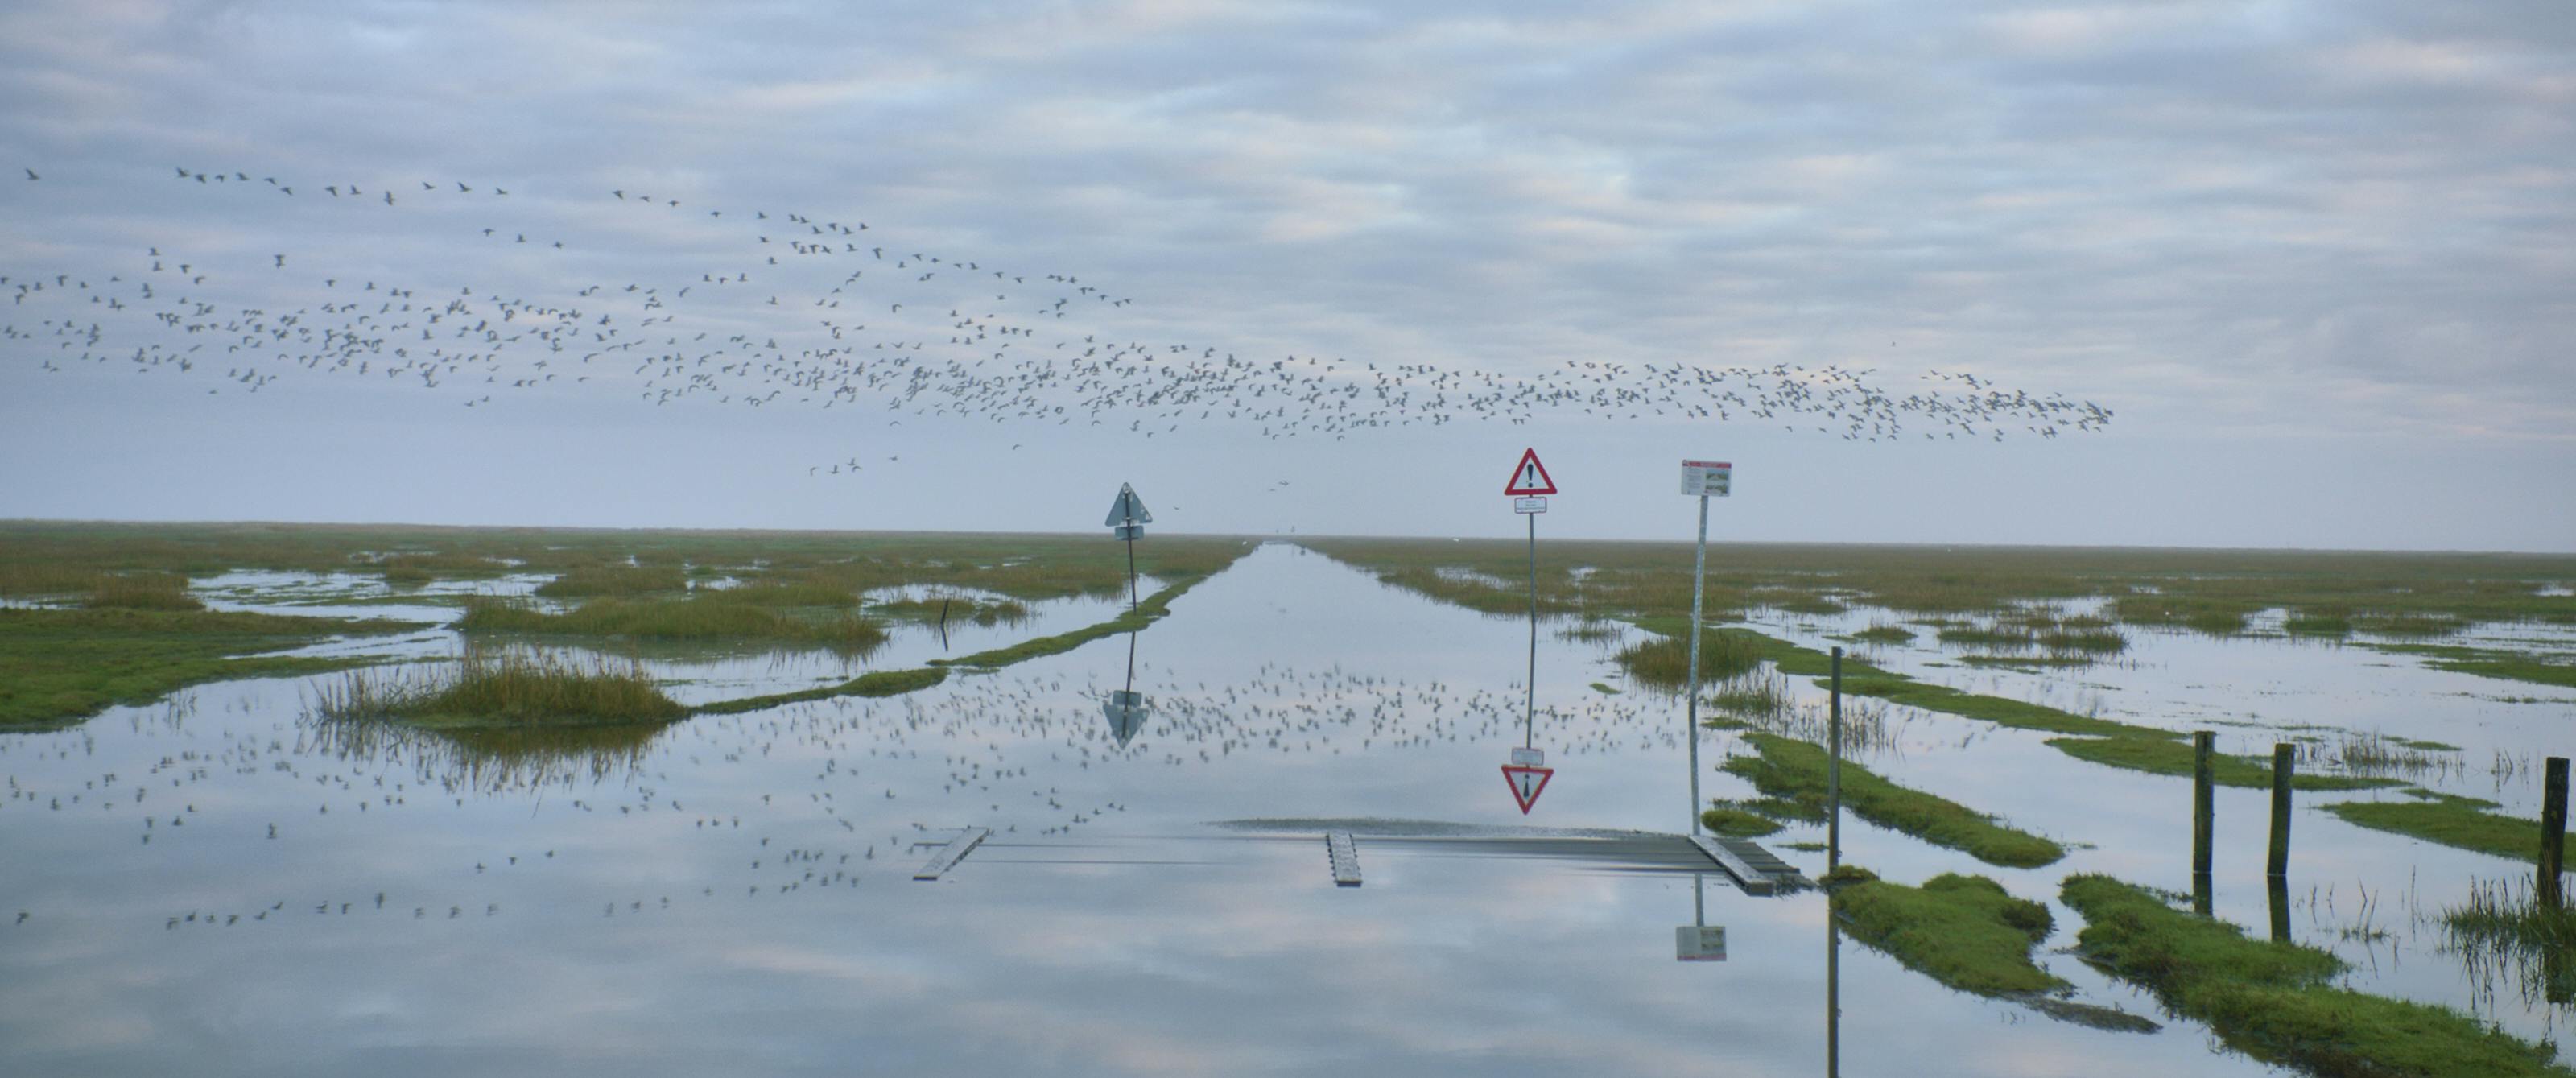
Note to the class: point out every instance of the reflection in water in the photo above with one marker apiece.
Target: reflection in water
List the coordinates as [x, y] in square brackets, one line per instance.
[1833, 989]
[489, 760]
[1125, 706]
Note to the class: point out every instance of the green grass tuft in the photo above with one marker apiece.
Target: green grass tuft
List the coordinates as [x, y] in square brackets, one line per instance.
[2271, 1001]
[1963, 931]
[511, 689]
[707, 617]
[2459, 822]
[1796, 770]
[60, 666]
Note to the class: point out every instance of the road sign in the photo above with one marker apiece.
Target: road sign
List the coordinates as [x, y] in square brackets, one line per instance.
[1127, 531]
[1699, 943]
[1527, 783]
[1529, 758]
[1529, 476]
[1707, 478]
[1127, 509]
[1126, 712]
[1529, 505]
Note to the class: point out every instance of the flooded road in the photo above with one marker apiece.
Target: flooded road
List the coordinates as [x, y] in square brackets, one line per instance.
[211, 885]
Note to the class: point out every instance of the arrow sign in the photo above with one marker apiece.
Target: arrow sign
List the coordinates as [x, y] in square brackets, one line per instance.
[1127, 509]
[1529, 477]
[1527, 783]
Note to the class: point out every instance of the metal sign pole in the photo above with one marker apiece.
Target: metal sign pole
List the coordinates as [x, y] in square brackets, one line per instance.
[1131, 575]
[1699, 588]
[1529, 722]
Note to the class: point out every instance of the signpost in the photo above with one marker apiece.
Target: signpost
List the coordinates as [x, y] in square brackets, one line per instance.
[1527, 487]
[1127, 520]
[1706, 479]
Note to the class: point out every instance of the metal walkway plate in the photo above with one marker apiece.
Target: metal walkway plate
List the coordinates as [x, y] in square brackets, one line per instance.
[1754, 868]
[1345, 855]
[955, 851]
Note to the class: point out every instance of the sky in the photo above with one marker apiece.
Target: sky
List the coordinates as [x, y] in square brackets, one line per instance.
[2293, 274]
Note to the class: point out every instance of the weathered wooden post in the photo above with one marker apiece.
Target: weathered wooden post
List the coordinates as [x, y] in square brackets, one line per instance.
[2553, 830]
[1834, 772]
[2283, 764]
[2201, 807]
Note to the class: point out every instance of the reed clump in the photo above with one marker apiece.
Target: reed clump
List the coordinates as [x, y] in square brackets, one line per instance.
[140, 591]
[1664, 662]
[515, 688]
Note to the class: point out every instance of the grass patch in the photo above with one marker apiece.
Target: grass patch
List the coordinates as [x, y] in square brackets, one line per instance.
[61, 666]
[1883, 633]
[1664, 662]
[2451, 820]
[2271, 1001]
[986, 613]
[1752, 697]
[1736, 823]
[1963, 931]
[588, 581]
[1795, 770]
[702, 618]
[2489, 662]
[2162, 755]
[140, 591]
[506, 689]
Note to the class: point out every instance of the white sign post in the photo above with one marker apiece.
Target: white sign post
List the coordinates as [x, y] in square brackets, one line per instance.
[1706, 479]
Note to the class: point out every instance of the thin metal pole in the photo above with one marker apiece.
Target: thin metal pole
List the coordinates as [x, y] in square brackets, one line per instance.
[1834, 772]
[1529, 721]
[1131, 573]
[1690, 729]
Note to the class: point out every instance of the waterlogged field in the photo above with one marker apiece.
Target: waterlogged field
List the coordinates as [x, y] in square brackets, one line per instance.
[239, 871]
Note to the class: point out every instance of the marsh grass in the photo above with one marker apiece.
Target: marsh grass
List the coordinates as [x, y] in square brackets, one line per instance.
[2379, 754]
[139, 591]
[514, 688]
[588, 581]
[1796, 770]
[2503, 928]
[2273, 1001]
[707, 617]
[1880, 632]
[959, 610]
[2451, 820]
[60, 666]
[1663, 663]
[1753, 696]
[1963, 931]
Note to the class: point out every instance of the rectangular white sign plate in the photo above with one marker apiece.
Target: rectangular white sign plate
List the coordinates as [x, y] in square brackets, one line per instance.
[1707, 478]
[1699, 943]
[1529, 758]
[1529, 505]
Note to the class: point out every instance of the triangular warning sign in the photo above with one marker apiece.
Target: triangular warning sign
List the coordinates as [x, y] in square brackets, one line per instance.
[1529, 476]
[1527, 783]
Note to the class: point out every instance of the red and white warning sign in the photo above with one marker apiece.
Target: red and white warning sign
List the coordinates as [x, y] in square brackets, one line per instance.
[1527, 783]
[1529, 477]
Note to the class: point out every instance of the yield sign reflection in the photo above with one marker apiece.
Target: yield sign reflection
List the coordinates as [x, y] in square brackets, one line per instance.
[1527, 782]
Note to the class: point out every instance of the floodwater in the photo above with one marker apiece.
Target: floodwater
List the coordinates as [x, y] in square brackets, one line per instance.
[212, 885]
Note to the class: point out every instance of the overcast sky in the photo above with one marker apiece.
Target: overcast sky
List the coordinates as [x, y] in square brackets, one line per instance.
[2316, 260]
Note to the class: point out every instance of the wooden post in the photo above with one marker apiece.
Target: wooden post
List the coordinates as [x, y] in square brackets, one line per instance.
[1834, 772]
[2553, 830]
[2283, 764]
[2201, 742]
[2276, 892]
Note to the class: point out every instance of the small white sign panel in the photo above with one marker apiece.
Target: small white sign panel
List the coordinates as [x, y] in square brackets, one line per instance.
[1529, 758]
[1699, 943]
[1527, 506]
[1707, 478]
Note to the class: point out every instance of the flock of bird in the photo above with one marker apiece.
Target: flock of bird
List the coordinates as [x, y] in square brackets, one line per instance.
[791, 309]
